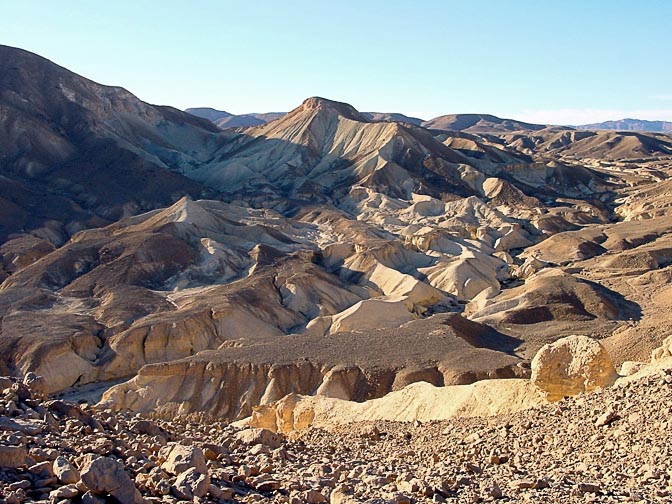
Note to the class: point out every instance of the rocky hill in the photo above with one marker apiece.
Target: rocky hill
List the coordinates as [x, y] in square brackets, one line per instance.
[226, 120]
[76, 154]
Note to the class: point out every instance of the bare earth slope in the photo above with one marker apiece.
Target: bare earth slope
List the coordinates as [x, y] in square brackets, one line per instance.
[564, 452]
[77, 154]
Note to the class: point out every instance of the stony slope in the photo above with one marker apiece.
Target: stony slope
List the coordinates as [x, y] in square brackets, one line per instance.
[606, 446]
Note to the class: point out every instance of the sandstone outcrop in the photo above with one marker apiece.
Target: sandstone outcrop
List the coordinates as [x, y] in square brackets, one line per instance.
[571, 366]
[228, 383]
[419, 401]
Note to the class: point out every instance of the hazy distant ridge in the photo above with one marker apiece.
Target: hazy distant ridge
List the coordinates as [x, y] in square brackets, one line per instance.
[630, 125]
[474, 123]
[225, 119]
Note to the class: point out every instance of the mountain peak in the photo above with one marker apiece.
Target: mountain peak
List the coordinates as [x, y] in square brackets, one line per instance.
[323, 104]
[209, 113]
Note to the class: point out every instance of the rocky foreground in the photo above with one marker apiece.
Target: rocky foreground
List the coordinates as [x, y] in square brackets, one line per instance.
[610, 445]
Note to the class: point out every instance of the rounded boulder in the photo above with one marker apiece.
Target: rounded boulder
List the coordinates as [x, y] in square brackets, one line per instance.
[571, 366]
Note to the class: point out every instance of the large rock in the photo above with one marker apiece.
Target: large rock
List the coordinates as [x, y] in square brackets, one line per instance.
[12, 456]
[65, 471]
[104, 475]
[190, 484]
[570, 366]
[258, 436]
[180, 458]
[37, 385]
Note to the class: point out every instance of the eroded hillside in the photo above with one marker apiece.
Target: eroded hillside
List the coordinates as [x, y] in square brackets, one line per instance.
[326, 252]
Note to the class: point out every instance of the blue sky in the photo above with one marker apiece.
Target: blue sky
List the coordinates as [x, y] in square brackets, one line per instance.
[546, 61]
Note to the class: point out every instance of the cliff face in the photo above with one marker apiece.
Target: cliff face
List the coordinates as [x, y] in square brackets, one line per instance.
[232, 390]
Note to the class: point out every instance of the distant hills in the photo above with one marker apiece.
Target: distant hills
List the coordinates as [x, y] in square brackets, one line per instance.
[631, 125]
[392, 117]
[469, 123]
[226, 120]
[479, 123]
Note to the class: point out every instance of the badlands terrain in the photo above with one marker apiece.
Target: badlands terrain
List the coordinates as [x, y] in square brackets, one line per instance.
[307, 271]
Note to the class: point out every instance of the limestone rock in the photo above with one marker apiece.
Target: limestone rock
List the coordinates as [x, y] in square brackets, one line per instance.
[65, 471]
[37, 385]
[314, 497]
[342, 496]
[190, 484]
[570, 366]
[664, 351]
[258, 436]
[90, 498]
[180, 458]
[629, 368]
[104, 475]
[12, 456]
[65, 492]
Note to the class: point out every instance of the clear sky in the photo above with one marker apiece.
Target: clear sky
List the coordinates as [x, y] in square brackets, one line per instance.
[550, 61]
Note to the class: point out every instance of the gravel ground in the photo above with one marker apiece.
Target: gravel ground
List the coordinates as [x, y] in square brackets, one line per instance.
[607, 446]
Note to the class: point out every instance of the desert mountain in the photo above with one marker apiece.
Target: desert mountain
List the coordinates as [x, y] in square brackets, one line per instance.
[630, 125]
[226, 120]
[592, 146]
[478, 123]
[326, 252]
[322, 148]
[392, 117]
[327, 151]
[211, 114]
[77, 154]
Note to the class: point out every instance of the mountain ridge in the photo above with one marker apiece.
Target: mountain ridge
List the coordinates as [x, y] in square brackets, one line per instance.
[479, 123]
[473, 123]
[92, 151]
[630, 124]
